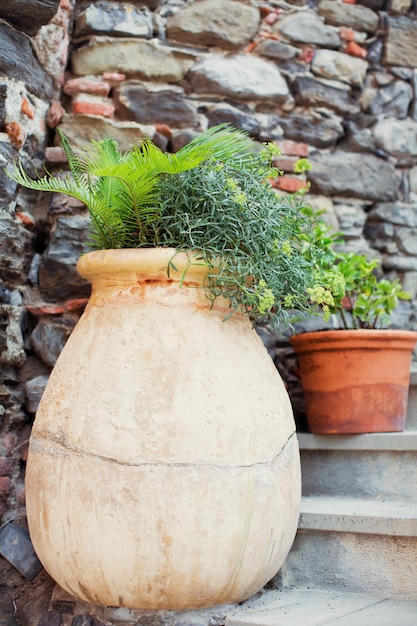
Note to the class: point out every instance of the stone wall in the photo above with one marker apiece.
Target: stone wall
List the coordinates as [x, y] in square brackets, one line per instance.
[330, 80]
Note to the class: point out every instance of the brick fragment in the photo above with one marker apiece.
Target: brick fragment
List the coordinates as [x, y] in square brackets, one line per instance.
[55, 114]
[27, 109]
[293, 148]
[4, 485]
[16, 134]
[290, 184]
[75, 86]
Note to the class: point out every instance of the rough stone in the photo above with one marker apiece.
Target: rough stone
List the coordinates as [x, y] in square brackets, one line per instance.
[339, 66]
[34, 390]
[398, 213]
[397, 137]
[133, 57]
[11, 338]
[81, 129]
[364, 176]
[225, 113]
[413, 110]
[58, 277]
[353, 16]
[114, 19]
[48, 339]
[315, 92]
[351, 219]
[399, 6]
[225, 23]
[407, 238]
[239, 76]
[15, 246]
[392, 100]
[276, 50]
[27, 110]
[307, 27]
[7, 186]
[28, 15]
[154, 104]
[318, 129]
[51, 44]
[400, 42]
[18, 61]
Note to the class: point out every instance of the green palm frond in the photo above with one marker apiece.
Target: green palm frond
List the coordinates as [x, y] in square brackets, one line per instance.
[122, 191]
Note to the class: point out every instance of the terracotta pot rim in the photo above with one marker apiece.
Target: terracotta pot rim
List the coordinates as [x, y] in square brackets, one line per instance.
[346, 338]
[147, 261]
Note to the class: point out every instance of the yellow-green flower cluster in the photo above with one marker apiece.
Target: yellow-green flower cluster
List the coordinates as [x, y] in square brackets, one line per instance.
[265, 297]
[325, 296]
[238, 195]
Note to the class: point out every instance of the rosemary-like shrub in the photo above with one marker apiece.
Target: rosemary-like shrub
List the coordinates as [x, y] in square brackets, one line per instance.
[253, 239]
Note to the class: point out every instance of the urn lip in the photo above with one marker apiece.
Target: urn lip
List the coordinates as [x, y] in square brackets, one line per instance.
[156, 263]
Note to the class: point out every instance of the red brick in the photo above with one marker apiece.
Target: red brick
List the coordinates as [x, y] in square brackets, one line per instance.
[75, 305]
[293, 148]
[16, 134]
[9, 442]
[355, 50]
[86, 107]
[26, 219]
[5, 466]
[75, 86]
[114, 77]
[55, 114]
[307, 55]
[46, 309]
[285, 163]
[290, 184]
[27, 109]
[347, 34]
[55, 155]
[4, 485]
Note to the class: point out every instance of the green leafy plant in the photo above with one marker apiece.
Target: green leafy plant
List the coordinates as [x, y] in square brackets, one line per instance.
[353, 292]
[369, 301]
[212, 196]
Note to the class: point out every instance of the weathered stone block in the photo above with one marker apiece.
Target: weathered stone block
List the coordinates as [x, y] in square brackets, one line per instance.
[114, 18]
[18, 61]
[155, 104]
[239, 76]
[400, 42]
[224, 23]
[364, 176]
[28, 15]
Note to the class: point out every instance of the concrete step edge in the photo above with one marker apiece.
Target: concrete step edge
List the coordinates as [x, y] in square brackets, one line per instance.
[357, 515]
[316, 607]
[390, 442]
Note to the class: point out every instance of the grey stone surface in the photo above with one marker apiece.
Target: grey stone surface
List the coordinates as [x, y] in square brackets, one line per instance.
[148, 103]
[114, 18]
[28, 15]
[364, 176]
[392, 100]
[238, 76]
[315, 92]
[307, 27]
[48, 339]
[397, 137]
[400, 40]
[353, 16]
[321, 129]
[18, 61]
[224, 23]
[121, 54]
[339, 66]
[58, 277]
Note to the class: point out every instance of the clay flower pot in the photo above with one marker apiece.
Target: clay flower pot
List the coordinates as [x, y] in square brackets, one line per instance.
[163, 469]
[355, 381]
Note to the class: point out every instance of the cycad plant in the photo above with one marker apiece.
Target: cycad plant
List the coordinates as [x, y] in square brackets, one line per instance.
[120, 190]
[212, 196]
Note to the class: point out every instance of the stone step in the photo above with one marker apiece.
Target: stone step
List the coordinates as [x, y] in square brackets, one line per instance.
[355, 545]
[319, 607]
[377, 465]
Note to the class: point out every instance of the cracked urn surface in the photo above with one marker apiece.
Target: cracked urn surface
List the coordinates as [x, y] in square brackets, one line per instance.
[163, 469]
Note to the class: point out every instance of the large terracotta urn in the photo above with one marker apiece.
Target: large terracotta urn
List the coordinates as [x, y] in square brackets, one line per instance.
[163, 469]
